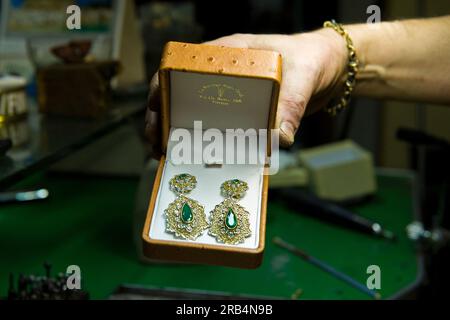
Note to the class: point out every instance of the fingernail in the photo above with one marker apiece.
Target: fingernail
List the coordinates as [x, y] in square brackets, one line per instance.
[287, 129]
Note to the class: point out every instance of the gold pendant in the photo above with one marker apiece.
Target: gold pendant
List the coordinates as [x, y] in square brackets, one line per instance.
[185, 217]
[230, 221]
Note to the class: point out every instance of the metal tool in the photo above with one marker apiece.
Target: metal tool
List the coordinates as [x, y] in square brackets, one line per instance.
[438, 237]
[325, 267]
[313, 206]
[23, 196]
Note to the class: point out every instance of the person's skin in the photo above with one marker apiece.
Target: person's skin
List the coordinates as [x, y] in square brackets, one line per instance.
[405, 60]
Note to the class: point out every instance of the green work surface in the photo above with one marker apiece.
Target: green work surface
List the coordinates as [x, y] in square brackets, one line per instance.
[88, 222]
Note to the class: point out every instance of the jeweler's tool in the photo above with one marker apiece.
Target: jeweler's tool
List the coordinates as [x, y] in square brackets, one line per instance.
[325, 267]
[23, 196]
[139, 292]
[31, 287]
[313, 206]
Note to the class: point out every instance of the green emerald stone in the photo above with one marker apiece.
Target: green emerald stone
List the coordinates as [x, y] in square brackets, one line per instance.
[230, 219]
[186, 213]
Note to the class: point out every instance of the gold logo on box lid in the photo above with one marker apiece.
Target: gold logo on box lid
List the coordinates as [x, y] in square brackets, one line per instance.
[222, 94]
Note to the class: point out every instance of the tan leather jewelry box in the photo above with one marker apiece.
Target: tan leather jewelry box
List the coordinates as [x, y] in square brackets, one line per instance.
[221, 88]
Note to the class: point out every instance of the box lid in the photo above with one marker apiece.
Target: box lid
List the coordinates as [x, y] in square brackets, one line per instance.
[221, 86]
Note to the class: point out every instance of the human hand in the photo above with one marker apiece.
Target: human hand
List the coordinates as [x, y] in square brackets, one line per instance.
[313, 70]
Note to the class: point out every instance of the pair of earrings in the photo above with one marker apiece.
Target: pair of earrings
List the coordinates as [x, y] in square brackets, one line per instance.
[229, 222]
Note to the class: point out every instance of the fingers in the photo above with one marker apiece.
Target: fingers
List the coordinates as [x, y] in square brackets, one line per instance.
[152, 107]
[152, 126]
[154, 95]
[153, 133]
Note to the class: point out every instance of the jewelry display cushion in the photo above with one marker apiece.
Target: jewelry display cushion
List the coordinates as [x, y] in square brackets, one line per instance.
[225, 88]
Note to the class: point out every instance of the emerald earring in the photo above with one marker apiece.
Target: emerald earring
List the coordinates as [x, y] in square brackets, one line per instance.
[185, 217]
[230, 221]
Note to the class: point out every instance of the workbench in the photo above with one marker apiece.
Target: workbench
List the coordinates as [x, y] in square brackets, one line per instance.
[88, 222]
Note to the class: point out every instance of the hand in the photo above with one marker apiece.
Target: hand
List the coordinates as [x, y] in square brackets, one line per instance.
[313, 68]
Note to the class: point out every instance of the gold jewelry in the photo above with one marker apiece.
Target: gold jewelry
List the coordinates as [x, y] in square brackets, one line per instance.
[229, 221]
[185, 217]
[352, 68]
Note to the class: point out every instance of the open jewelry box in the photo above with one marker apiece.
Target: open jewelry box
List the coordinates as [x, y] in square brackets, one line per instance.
[224, 88]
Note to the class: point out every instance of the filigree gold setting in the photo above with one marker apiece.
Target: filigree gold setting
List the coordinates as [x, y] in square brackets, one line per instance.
[190, 230]
[185, 217]
[234, 188]
[229, 221]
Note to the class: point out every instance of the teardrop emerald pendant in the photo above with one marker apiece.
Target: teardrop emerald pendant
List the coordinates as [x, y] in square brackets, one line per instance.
[186, 213]
[231, 219]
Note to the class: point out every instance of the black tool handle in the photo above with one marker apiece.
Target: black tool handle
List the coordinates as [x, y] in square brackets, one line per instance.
[311, 205]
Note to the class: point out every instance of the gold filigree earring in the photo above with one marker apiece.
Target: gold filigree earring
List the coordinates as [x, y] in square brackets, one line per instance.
[229, 221]
[185, 217]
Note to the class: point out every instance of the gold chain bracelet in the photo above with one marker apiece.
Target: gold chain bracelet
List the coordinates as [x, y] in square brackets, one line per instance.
[352, 69]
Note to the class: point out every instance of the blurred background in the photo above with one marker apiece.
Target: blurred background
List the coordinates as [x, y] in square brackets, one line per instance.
[75, 171]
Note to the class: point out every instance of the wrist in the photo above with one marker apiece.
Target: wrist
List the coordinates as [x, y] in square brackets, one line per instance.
[359, 34]
[368, 39]
[350, 70]
[338, 50]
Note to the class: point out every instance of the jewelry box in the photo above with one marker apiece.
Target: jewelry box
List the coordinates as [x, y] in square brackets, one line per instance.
[224, 88]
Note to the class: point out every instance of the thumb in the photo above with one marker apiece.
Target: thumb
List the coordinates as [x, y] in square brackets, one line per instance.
[295, 92]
